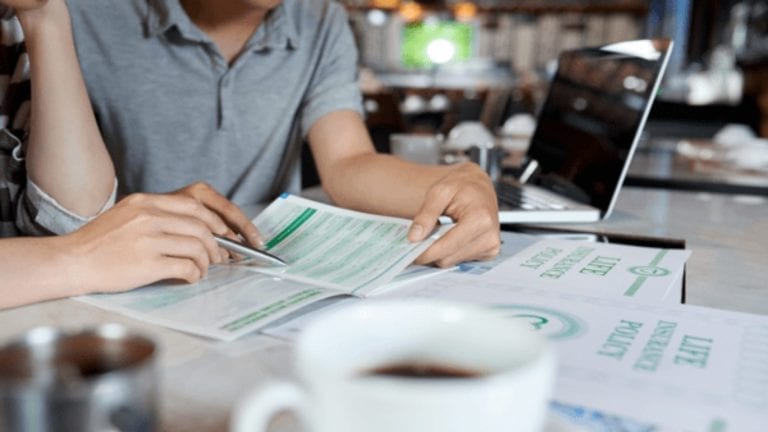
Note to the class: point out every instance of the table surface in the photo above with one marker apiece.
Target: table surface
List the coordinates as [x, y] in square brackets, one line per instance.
[201, 380]
[659, 164]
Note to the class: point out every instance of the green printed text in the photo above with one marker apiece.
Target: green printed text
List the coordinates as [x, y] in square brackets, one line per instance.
[561, 267]
[653, 351]
[600, 266]
[541, 258]
[270, 310]
[694, 351]
[620, 339]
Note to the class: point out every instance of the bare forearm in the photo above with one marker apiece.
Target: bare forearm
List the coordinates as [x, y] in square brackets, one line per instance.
[355, 176]
[382, 184]
[33, 269]
[66, 156]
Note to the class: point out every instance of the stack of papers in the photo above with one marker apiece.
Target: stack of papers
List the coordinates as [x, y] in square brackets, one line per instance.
[630, 359]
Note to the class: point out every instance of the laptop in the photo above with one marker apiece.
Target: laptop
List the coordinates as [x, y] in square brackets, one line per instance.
[586, 134]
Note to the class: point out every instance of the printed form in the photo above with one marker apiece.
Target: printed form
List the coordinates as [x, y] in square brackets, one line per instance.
[331, 252]
[336, 248]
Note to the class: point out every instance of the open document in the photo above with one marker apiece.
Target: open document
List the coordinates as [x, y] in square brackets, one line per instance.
[330, 252]
[336, 248]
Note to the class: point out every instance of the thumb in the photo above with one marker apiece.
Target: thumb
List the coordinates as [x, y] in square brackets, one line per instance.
[432, 208]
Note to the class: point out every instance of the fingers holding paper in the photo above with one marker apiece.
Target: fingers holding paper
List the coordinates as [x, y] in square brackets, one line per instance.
[466, 195]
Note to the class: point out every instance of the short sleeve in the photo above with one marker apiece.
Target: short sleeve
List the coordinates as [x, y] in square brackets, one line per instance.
[334, 85]
[40, 213]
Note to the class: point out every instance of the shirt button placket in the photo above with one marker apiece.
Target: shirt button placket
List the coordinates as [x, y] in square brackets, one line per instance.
[226, 102]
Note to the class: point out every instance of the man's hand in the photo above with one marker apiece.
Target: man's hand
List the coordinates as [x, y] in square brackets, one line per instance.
[227, 214]
[467, 196]
[143, 239]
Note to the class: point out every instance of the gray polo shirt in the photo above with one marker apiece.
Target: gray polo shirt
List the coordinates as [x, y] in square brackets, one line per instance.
[173, 112]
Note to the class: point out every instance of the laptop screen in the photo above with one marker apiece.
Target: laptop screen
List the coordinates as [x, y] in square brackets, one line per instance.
[592, 118]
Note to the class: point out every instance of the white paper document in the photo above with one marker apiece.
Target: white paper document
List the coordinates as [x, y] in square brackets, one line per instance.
[231, 302]
[655, 367]
[330, 251]
[605, 270]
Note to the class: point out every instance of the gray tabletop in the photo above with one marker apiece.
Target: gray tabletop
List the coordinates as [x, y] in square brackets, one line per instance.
[659, 163]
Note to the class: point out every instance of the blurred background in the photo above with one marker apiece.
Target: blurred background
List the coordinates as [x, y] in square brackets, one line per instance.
[429, 65]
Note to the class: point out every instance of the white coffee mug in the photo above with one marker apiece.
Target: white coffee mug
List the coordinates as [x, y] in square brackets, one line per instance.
[417, 365]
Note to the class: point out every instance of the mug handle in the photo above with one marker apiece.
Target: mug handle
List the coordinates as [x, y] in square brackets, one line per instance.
[257, 409]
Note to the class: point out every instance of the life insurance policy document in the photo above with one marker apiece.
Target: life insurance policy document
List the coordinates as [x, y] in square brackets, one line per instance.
[330, 251]
[626, 365]
[607, 270]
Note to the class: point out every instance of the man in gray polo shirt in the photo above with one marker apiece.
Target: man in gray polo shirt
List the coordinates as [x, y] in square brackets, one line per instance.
[226, 91]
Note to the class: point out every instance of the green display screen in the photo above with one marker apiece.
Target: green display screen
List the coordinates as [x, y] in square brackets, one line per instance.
[428, 44]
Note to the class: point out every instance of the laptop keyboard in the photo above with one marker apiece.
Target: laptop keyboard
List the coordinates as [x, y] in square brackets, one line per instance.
[526, 198]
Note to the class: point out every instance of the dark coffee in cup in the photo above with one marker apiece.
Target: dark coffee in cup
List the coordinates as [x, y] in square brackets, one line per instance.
[423, 371]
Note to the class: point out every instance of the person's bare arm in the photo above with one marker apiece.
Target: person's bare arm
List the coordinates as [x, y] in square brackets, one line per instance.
[65, 154]
[143, 239]
[355, 176]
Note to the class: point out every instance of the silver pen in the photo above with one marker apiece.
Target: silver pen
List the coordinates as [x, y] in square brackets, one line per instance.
[245, 250]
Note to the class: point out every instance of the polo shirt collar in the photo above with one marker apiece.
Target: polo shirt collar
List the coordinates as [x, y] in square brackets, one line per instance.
[277, 31]
[163, 15]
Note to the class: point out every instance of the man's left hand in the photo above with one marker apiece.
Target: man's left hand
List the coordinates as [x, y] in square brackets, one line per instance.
[467, 196]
